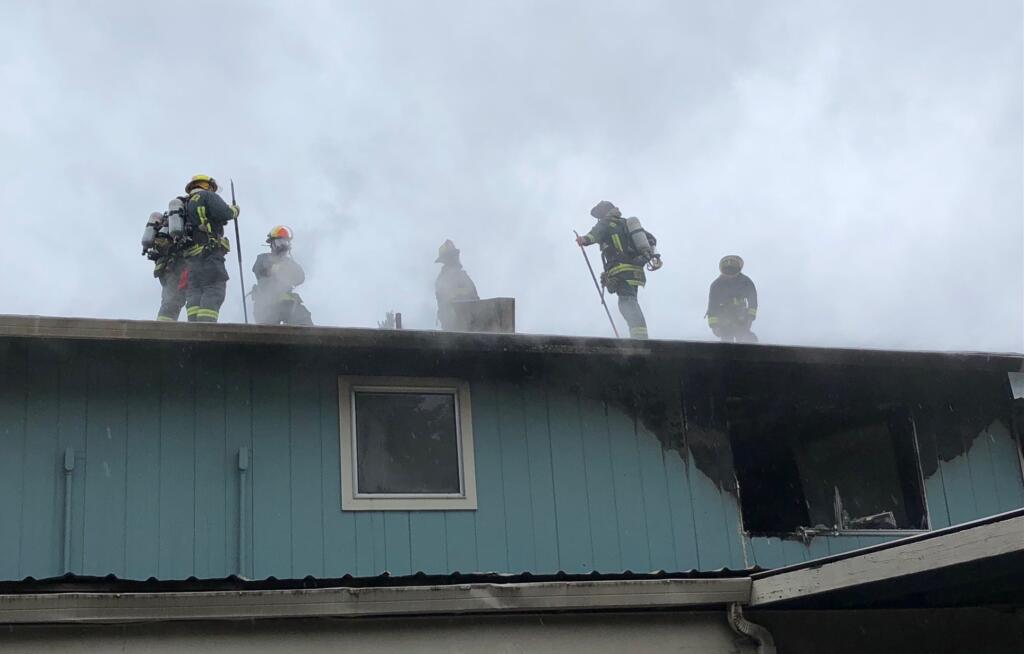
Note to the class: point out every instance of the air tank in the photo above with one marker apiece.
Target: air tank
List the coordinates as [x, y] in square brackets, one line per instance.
[152, 227]
[639, 237]
[176, 218]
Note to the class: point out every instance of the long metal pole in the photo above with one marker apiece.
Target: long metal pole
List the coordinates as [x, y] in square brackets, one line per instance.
[600, 293]
[238, 249]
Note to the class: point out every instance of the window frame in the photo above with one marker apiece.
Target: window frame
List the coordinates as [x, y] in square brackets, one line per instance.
[351, 499]
[915, 470]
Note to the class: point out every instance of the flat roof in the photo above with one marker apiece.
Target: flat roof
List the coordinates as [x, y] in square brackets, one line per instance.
[50, 328]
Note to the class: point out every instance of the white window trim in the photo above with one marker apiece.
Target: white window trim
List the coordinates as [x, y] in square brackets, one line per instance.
[351, 500]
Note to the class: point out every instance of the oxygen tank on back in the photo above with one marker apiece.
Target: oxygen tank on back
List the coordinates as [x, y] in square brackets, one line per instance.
[176, 218]
[152, 227]
[644, 243]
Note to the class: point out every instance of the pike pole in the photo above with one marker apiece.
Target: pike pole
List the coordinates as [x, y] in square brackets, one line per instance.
[238, 249]
[600, 293]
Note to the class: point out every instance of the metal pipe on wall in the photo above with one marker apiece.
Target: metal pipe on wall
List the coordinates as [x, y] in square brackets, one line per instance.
[243, 466]
[69, 465]
[744, 627]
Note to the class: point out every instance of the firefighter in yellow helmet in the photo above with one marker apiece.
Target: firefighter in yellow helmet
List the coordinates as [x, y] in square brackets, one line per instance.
[732, 302]
[275, 301]
[206, 214]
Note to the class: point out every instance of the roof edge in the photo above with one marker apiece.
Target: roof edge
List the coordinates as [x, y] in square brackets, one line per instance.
[63, 608]
[96, 329]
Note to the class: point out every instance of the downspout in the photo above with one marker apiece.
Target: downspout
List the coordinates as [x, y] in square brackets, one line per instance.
[69, 465]
[243, 504]
[744, 627]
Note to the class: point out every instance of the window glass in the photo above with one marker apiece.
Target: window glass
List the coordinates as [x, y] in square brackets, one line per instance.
[406, 443]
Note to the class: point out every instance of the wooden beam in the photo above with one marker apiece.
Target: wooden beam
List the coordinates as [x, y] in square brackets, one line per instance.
[887, 563]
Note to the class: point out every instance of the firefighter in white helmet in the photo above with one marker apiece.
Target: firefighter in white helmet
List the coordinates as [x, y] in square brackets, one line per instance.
[275, 301]
[452, 285]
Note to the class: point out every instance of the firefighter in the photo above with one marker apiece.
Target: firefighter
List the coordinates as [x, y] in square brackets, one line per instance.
[169, 267]
[275, 301]
[623, 261]
[732, 303]
[206, 214]
[452, 285]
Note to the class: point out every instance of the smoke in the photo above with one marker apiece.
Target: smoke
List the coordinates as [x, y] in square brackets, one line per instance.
[865, 160]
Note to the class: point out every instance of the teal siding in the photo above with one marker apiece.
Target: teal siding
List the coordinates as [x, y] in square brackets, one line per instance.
[13, 402]
[1006, 467]
[43, 473]
[575, 473]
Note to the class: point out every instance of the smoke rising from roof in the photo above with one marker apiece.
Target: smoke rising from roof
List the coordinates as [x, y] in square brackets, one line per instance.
[865, 159]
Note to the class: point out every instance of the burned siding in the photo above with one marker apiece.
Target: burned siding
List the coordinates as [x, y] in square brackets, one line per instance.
[583, 462]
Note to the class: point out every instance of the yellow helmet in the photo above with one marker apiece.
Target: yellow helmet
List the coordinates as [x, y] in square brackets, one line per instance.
[200, 180]
[733, 263]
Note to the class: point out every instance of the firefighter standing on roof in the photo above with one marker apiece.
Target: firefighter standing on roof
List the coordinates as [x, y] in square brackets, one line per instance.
[452, 285]
[623, 261]
[165, 252]
[206, 215]
[732, 302]
[275, 301]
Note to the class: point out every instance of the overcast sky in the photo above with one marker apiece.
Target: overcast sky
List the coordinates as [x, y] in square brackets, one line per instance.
[865, 158]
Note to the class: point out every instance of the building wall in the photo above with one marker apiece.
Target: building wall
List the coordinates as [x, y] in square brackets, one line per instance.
[581, 466]
[998, 630]
[705, 632]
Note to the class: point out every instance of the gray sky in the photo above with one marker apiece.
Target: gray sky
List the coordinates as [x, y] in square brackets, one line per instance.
[864, 158]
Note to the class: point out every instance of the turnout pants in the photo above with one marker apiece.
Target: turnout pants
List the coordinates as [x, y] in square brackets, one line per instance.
[172, 294]
[286, 311]
[732, 329]
[207, 286]
[735, 333]
[626, 287]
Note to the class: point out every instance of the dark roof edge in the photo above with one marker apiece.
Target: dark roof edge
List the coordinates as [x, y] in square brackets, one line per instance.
[113, 584]
[51, 328]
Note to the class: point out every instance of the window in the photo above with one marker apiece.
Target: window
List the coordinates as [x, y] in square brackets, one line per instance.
[406, 444]
[826, 468]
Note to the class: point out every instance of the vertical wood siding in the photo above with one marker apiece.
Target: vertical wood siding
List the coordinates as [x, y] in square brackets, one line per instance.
[571, 477]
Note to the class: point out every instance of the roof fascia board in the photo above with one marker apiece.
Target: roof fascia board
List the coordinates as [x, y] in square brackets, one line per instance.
[52, 608]
[887, 563]
[40, 327]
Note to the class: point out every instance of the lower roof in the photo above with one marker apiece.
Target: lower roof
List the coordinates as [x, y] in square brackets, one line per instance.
[353, 602]
[975, 563]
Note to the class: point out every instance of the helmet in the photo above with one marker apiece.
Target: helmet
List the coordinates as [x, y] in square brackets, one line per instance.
[199, 180]
[280, 231]
[280, 238]
[446, 252]
[730, 265]
[603, 209]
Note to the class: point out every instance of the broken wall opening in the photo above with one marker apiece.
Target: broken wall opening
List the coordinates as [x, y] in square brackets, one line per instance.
[825, 466]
